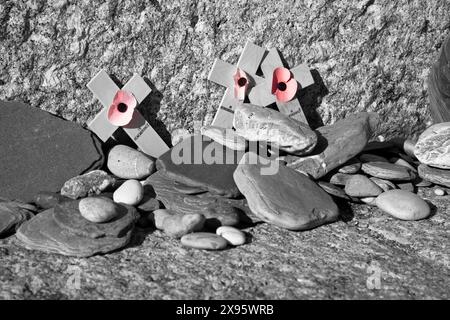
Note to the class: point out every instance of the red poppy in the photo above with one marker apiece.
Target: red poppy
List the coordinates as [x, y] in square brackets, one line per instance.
[121, 110]
[284, 86]
[240, 84]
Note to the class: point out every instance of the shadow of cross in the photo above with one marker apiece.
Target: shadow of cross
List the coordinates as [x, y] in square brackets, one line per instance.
[145, 137]
[261, 94]
[224, 74]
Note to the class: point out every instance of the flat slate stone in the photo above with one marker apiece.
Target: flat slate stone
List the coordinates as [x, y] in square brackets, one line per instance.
[336, 144]
[42, 233]
[68, 217]
[434, 175]
[47, 199]
[388, 171]
[287, 199]
[12, 215]
[333, 190]
[217, 210]
[204, 240]
[90, 183]
[198, 161]
[42, 151]
[361, 186]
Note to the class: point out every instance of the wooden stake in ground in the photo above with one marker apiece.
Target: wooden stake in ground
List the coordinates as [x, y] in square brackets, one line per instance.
[105, 123]
[269, 91]
[238, 80]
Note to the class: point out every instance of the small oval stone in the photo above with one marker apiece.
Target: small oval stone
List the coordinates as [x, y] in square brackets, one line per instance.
[403, 205]
[388, 171]
[234, 236]
[439, 192]
[130, 192]
[204, 240]
[128, 163]
[361, 186]
[386, 185]
[98, 209]
[351, 166]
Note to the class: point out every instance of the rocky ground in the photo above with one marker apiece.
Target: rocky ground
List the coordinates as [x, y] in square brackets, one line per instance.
[369, 255]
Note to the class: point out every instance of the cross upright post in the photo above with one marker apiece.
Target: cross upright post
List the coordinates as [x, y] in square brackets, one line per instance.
[238, 81]
[105, 90]
[262, 94]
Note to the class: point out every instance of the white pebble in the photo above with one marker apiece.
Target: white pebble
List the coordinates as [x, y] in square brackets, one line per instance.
[234, 236]
[439, 192]
[130, 192]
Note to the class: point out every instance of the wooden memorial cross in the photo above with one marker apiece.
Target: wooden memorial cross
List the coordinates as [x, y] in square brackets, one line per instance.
[115, 109]
[238, 80]
[273, 90]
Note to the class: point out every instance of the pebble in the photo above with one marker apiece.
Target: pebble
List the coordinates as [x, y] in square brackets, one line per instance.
[93, 182]
[131, 192]
[433, 146]
[129, 163]
[333, 190]
[439, 192]
[351, 166]
[419, 182]
[388, 171]
[98, 209]
[369, 200]
[402, 162]
[386, 185]
[204, 240]
[12, 215]
[264, 124]
[226, 137]
[361, 186]
[434, 175]
[403, 205]
[369, 157]
[234, 236]
[338, 143]
[340, 179]
[175, 225]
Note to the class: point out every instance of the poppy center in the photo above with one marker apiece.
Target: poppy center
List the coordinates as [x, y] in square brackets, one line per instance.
[242, 82]
[122, 107]
[282, 86]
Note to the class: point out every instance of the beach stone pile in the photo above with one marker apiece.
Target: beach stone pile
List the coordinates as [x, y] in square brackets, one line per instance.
[210, 186]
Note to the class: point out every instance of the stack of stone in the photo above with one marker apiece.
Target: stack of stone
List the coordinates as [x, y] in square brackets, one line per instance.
[269, 167]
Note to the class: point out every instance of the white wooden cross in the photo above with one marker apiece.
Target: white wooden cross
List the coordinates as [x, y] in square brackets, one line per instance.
[145, 137]
[224, 74]
[261, 94]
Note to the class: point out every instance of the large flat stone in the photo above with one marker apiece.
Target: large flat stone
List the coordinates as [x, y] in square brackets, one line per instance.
[41, 152]
[287, 199]
[198, 161]
[68, 217]
[43, 234]
[337, 144]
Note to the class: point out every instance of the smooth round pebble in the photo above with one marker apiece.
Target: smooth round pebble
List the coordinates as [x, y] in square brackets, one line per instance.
[204, 240]
[234, 236]
[403, 205]
[130, 192]
[98, 209]
[439, 192]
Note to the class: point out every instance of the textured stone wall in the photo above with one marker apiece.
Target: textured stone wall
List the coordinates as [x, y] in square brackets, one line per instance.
[367, 55]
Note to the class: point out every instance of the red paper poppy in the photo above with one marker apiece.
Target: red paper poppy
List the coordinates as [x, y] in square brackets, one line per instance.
[284, 86]
[240, 84]
[121, 110]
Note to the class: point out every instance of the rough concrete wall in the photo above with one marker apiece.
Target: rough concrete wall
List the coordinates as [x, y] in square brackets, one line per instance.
[370, 55]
